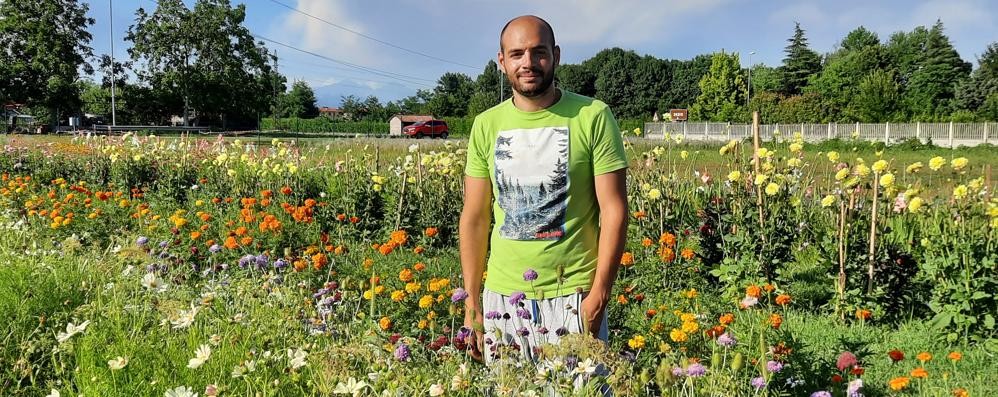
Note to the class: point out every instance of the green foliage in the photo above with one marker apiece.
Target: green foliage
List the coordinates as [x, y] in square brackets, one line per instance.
[799, 64]
[322, 124]
[931, 87]
[299, 102]
[875, 98]
[451, 95]
[722, 91]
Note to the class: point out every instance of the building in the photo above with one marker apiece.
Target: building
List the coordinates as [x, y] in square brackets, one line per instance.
[399, 121]
[332, 113]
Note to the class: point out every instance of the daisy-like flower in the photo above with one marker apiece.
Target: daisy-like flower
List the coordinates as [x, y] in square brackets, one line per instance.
[54, 393]
[181, 391]
[153, 283]
[117, 363]
[587, 367]
[352, 387]
[200, 356]
[186, 317]
[436, 390]
[71, 330]
[296, 358]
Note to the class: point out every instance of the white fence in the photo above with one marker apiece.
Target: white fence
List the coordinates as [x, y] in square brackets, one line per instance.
[944, 134]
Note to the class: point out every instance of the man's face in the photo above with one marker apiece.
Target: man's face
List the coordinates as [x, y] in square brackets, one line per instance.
[528, 58]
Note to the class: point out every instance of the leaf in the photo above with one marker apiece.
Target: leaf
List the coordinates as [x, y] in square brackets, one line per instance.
[941, 320]
[989, 321]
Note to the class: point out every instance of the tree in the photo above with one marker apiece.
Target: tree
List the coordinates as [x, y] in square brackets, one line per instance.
[576, 78]
[451, 95]
[859, 39]
[614, 83]
[685, 81]
[800, 63]
[487, 87]
[299, 102]
[204, 58]
[983, 82]
[765, 79]
[45, 46]
[932, 87]
[722, 91]
[876, 97]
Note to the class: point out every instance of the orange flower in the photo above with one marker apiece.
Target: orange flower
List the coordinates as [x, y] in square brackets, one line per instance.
[627, 259]
[419, 266]
[216, 200]
[241, 231]
[399, 237]
[955, 356]
[769, 287]
[386, 248]
[405, 275]
[783, 299]
[920, 373]
[646, 242]
[651, 313]
[727, 319]
[899, 383]
[639, 214]
[753, 291]
[418, 250]
[246, 240]
[286, 190]
[716, 331]
[687, 253]
[960, 392]
[775, 320]
[230, 243]
[368, 262]
[385, 323]
[667, 239]
[341, 217]
[354, 219]
[319, 261]
[267, 193]
[340, 250]
[863, 314]
[430, 232]
[666, 254]
[924, 356]
[896, 355]
[621, 299]
[195, 234]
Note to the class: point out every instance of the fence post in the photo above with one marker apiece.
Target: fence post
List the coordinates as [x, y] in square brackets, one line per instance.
[728, 136]
[829, 132]
[950, 134]
[684, 129]
[985, 132]
[887, 132]
[918, 131]
[856, 131]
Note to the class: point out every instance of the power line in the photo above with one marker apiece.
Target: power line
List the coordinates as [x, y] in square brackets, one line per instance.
[372, 38]
[391, 75]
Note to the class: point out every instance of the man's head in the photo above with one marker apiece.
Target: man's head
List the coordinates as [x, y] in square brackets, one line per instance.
[528, 55]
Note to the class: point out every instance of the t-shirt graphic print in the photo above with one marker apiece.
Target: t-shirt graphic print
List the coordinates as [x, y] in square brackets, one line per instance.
[531, 174]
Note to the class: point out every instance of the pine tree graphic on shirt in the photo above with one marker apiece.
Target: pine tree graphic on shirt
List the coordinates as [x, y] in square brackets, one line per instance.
[531, 167]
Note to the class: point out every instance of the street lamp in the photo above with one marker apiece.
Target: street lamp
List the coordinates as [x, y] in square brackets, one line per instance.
[748, 96]
[114, 118]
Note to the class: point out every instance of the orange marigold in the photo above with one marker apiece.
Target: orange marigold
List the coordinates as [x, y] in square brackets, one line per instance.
[341, 217]
[667, 239]
[666, 254]
[405, 275]
[286, 190]
[418, 250]
[783, 299]
[385, 323]
[621, 299]
[753, 291]
[960, 392]
[419, 266]
[430, 232]
[246, 240]
[646, 242]
[640, 214]
[230, 243]
[266, 193]
[687, 253]
[627, 259]
[195, 235]
[319, 261]
[775, 320]
[920, 373]
[924, 356]
[863, 314]
[399, 237]
[727, 319]
[955, 356]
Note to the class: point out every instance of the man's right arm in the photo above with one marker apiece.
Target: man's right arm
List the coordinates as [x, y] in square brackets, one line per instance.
[473, 232]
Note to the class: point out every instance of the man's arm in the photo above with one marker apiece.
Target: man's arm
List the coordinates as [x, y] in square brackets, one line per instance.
[611, 193]
[473, 233]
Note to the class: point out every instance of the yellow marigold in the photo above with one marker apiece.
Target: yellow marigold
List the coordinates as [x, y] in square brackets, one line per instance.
[692, 293]
[960, 192]
[734, 176]
[899, 383]
[385, 323]
[760, 179]
[772, 189]
[413, 288]
[397, 296]
[677, 335]
[879, 166]
[915, 204]
[796, 147]
[833, 156]
[924, 356]
[959, 163]
[637, 342]
[936, 163]
[687, 317]
[842, 174]
[861, 170]
[422, 324]
[914, 167]
[827, 201]
[426, 301]
[886, 180]
[654, 194]
[690, 327]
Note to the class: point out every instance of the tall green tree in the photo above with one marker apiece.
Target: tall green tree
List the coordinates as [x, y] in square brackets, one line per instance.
[487, 86]
[576, 78]
[722, 91]
[451, 95]
[204, 58]
[876, 97]
[859, 54]
[799, 64]
[685, 82]
[932, 87]
[983, 82]
[45, 44]
[614, 71]
[299, 102]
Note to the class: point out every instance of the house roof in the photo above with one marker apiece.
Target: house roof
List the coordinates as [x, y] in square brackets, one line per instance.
[412, 118]
[327, 109]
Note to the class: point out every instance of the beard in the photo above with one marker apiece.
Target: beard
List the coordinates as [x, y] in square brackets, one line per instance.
[531, 90]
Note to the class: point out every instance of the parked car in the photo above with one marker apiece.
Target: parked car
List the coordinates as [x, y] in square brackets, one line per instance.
[431, 128]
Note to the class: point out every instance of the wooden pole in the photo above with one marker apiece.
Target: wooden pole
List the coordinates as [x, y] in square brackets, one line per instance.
[756, 161]
[873, 233]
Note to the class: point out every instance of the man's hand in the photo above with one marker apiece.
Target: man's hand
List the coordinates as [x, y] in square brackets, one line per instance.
[593, 308]
[473, 320]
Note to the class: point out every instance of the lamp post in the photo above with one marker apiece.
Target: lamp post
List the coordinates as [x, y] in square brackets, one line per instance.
[114, 116]
[748, 95]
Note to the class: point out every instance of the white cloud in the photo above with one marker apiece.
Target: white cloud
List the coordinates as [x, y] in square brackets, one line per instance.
[955, 14]
[319, 37]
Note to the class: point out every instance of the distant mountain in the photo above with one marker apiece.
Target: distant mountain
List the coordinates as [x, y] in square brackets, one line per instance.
[331, 95]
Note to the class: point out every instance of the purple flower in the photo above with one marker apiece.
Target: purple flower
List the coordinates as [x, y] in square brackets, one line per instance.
[561, 331]
[459, 295]
[821, 393]
[516, 297]
[492, 315]
[261, 261]
[141, 241]
[758, 382]
[696, 370]
[523, 313]
[676, 371]
[726, 340]
[542, 330]
[215, 248]
[280, 264]
[162, 244]
[245, 261]
[402, 352]
[523, 331]
[774, 366]
[462, 333]
[854, 387]
[530, 275]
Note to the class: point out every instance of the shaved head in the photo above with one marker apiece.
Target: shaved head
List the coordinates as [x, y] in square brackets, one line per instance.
[527, 21]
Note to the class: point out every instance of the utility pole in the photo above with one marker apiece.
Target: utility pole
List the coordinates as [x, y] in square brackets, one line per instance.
[748, 96]
[114, 116]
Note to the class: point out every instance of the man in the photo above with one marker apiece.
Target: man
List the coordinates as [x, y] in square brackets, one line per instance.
[554, 161]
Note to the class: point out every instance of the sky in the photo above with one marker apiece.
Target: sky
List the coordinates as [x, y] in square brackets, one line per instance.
[409, 44]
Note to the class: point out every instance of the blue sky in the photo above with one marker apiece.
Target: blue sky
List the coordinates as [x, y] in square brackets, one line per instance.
[465, 32]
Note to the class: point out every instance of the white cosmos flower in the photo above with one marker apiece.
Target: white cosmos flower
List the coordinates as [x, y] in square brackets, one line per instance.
[71, 330]
[181, 391]
[54, 393]
[200, 356]
[186, 317]
[586, 367]
[117, 363]
[153, 283]
[352, 387]
[436, 390]
[297, 358]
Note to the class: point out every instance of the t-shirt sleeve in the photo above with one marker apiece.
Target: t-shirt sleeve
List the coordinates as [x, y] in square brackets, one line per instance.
[477, 164]
[608, 144]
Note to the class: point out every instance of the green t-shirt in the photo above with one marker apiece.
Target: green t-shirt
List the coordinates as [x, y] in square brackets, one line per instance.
[542, 165]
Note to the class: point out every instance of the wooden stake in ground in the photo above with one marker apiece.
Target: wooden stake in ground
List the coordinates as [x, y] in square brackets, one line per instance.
[873, 233]
[755, 160]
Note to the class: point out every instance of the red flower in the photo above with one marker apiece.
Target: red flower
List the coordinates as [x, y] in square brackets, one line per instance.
[857, 370]
[896, 355]
[836, 378]
[846, 360]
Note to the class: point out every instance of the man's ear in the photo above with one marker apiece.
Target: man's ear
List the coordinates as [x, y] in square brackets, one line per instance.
[502, 62]
[557, 55]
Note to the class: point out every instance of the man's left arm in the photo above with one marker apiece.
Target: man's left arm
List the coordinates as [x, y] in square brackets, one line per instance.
[611, 194]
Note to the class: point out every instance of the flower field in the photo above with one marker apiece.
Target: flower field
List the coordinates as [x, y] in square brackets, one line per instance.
[140, 265]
